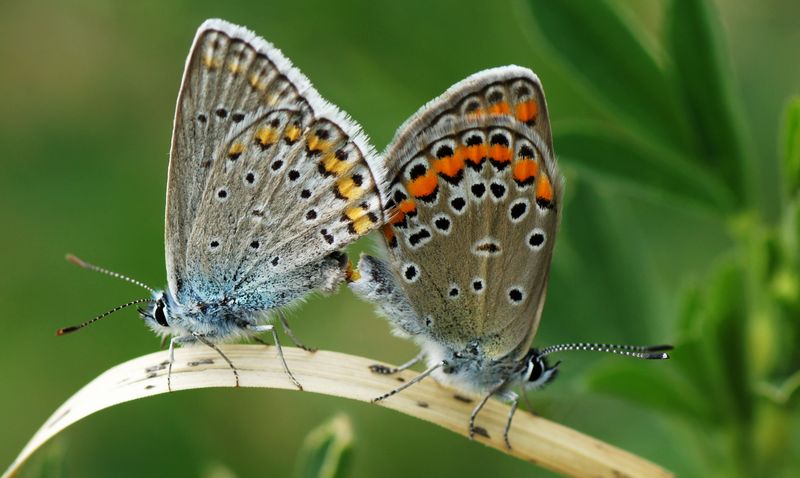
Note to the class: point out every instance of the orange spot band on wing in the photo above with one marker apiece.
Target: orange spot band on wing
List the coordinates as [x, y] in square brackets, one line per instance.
[527, 111]
[424, 185]
[388, 233]
[397, 217]
[500, 153]
[525, 170]
[500, 108]
[361, 220]
[362, 225]
[354, 213]
[346, 188]
[235, 150]
[266, 136]
[292, 133]
[333, 165]
[450, 166]
[406, 206]
[475, 153]
[544, 190]
[317, 144]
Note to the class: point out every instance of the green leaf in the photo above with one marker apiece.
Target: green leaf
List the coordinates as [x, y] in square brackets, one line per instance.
[326, 450]
[602, 50]
[791, 147]
[625, 159]
[713, 354]
[783, 393]
[690, 339]
[704, 77]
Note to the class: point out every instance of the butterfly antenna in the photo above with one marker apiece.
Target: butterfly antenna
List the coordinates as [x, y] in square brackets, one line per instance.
[647, 352]
[85, 265]
[66, 330]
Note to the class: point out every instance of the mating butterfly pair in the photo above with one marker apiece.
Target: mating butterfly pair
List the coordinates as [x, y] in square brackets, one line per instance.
[268, 183]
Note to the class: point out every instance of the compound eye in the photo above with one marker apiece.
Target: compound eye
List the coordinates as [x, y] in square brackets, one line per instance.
[159, 314]
[537, 371]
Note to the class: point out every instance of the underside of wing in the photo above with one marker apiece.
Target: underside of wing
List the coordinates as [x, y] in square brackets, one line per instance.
[280, 198]
[474, 208]
[266, 178]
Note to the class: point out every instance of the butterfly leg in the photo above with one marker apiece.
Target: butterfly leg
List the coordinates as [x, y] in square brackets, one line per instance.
[514, 399]
[288, 330]
[172, 342]
[384, 370]
[474, 414]
[527, 401]
[271, 328]
[411, 382]
[205, 341]
[472, 428]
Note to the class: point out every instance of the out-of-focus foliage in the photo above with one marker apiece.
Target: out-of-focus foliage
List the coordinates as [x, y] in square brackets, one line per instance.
[681, 224]
[736, 366]
[326, 450]
[791, 148]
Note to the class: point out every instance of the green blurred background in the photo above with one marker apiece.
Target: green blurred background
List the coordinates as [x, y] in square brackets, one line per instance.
[681, 225]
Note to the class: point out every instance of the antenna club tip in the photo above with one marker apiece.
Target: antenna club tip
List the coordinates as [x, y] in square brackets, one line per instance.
[75, 260]
[66, 330]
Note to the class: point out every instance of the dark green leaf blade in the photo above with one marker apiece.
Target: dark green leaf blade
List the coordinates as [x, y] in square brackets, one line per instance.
[602, 50]
[704, 76]
[625, 159]
[791, 147]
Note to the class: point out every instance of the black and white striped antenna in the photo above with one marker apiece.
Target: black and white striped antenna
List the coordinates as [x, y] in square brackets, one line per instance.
[85, 265]
[646, 352]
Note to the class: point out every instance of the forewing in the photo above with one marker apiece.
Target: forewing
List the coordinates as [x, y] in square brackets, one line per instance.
[265, 176]
[475, 204]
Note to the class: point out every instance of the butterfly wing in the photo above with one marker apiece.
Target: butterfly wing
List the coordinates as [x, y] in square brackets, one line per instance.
[266, 178]
[475, 201]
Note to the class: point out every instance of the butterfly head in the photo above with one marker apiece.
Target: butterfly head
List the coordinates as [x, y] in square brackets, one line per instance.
[537, 371]
[158, 314]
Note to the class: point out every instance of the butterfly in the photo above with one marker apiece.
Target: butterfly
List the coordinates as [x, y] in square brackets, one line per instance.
[473, 208]
[267, 183]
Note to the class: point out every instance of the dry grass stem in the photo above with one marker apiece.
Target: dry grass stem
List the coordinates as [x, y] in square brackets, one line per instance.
[534, 439]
